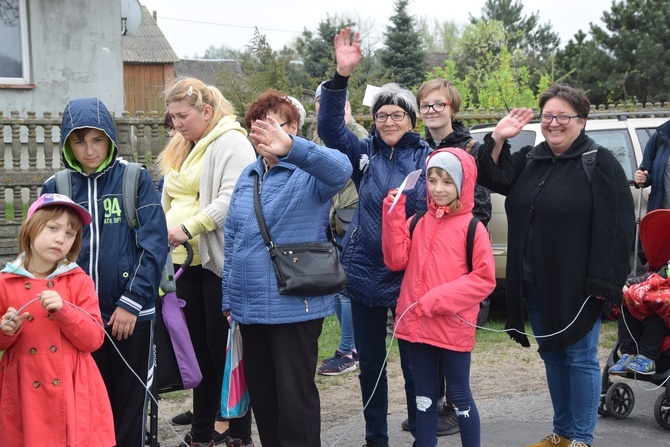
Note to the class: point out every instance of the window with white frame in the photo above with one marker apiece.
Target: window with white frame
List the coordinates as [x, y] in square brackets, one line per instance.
[14, 55]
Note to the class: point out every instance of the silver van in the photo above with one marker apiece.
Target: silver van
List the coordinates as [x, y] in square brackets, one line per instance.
[625, 137]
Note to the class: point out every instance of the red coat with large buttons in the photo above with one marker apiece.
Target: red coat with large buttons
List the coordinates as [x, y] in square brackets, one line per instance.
[51, 391]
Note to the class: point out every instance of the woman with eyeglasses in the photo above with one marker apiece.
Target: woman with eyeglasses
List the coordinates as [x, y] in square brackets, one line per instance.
[570, 233]
[381, 162]
[439, 102]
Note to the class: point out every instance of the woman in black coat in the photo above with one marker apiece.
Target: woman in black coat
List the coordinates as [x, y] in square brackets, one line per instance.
[570, 232]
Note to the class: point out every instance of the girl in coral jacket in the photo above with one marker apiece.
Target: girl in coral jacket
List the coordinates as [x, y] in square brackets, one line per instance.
[440, 295]
[51, 391]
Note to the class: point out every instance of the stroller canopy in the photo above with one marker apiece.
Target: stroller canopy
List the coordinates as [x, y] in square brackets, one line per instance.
[655, 237]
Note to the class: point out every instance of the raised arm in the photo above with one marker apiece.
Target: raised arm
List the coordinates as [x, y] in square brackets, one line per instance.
[509, 126]
[347, 51]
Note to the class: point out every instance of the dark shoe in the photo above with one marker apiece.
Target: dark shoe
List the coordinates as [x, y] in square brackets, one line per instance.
[188, 440]
[183, 418]
[372, 444]
[337, 365]
[447, 421]
[218, 438]
[405, 425]
[237, 442]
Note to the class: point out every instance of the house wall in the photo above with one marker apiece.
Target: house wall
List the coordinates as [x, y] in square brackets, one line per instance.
[75, 51]
[145, 84]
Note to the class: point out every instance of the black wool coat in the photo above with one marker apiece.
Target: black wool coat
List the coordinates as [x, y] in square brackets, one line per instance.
[582, 234]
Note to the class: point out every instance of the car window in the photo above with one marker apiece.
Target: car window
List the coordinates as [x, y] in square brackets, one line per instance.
[643, 135]
[525, 138]
[619, 143]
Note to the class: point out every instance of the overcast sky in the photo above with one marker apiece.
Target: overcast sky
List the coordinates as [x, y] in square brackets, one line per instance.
[193, 25]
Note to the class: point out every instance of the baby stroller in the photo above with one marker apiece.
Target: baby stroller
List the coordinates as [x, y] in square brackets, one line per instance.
[175, 365]
[617, 399]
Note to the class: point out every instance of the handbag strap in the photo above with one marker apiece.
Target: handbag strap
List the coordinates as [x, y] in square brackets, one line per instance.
[263, 226]
[259, 215]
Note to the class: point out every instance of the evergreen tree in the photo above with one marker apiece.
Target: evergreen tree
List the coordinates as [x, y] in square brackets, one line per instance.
[316, 49]
[536, 42]
[582, 64]
[403, 54]
[637, 40]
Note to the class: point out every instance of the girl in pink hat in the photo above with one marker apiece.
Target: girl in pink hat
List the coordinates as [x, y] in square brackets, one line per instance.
[51, 391]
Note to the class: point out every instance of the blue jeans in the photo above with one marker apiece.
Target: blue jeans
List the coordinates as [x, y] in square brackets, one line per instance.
[426, 366]
[370, 334]
[343, 311]
[573, 376]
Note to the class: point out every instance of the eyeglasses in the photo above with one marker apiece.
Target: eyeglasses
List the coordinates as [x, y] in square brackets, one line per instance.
[546, 118]
[437, 107]
[395, 116]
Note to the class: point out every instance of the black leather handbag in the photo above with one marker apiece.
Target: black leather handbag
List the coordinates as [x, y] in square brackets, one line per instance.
[302, 269]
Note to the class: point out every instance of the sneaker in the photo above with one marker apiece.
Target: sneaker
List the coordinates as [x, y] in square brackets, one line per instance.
[578, 444]
[183, 418]
[337, 366]
[619, 367]
[237, 442]
[552, 440]
[372, 444]
[405, 425]
[447, 421]
[642, 365]
[338, 354]
[354, 354]
[188, 440]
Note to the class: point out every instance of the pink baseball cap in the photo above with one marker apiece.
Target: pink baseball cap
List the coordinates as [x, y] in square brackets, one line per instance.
[49, 199]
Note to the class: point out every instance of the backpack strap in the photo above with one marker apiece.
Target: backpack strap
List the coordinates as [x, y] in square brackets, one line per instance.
[470, 241]
[130, 188]
[589, 160]
[63, 182]
[414, 221]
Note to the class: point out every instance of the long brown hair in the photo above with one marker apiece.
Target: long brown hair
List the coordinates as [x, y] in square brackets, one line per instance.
[32, 227]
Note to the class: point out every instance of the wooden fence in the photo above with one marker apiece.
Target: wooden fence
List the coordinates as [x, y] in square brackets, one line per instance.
[32, 151]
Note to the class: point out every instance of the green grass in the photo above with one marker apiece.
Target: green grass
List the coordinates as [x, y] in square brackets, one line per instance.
[330, 339]
[608, 334]
[485, 339]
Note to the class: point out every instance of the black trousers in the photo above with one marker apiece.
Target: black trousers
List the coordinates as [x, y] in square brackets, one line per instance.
[201, 289]
[648, 334]
[279, 365]
[127, 395]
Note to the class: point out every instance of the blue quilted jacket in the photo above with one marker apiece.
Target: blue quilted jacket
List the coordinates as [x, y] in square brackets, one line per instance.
[377, 168]
[293, 195]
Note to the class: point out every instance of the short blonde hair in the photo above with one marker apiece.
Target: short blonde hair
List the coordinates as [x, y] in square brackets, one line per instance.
[195, 93]
[446, 87]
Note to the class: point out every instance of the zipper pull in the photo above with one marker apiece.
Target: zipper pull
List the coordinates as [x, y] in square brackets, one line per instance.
[306, 305]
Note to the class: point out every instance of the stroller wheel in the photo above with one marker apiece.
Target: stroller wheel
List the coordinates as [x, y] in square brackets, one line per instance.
[619, 400]
[602, 410]
[662, 411]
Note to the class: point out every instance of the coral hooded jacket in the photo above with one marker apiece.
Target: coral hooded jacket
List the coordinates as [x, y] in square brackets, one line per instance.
[436, 271]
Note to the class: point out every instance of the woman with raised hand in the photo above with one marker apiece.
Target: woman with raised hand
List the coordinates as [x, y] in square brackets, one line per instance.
[381, 162]
[570, 233]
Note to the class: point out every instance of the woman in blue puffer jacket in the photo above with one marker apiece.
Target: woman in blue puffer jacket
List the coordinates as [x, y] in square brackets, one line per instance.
[380, 162]
[280, 333]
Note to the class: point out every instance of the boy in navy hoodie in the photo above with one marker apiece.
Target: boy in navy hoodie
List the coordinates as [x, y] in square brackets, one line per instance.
[125, 262]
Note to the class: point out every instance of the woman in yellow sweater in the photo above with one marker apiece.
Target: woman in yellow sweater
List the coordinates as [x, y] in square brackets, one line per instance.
[201, 166]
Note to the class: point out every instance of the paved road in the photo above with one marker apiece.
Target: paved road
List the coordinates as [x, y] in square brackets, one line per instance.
[515, 422]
